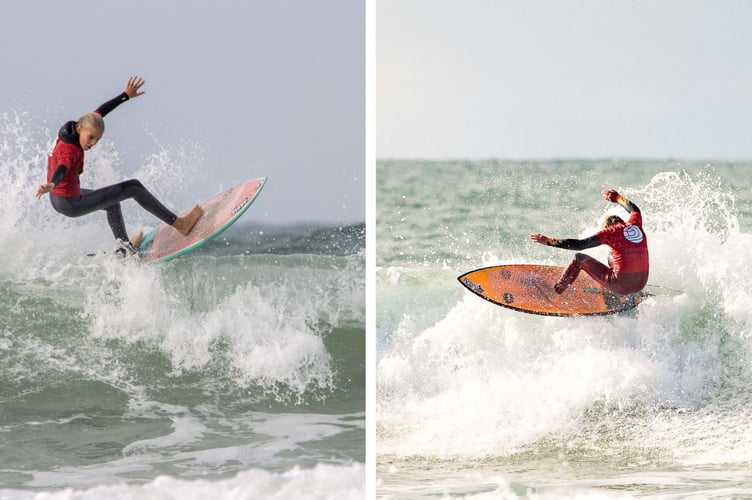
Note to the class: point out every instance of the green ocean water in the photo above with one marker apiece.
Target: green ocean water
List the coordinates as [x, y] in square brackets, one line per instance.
[211, 365]
[476, 401]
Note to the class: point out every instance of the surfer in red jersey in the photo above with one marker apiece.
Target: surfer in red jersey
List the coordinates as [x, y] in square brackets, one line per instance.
[66, 163]
[628, 267]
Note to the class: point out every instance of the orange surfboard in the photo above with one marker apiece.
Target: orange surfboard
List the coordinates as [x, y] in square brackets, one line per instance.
[530, 288]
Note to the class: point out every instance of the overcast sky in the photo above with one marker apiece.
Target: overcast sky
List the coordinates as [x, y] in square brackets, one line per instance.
[261, 88]
[562, 78]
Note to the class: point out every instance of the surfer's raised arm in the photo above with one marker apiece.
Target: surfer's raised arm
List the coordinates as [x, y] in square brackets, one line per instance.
[132, 90]
[614, 197]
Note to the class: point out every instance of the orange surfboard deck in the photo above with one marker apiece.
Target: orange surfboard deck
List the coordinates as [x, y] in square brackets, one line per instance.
[530, 288]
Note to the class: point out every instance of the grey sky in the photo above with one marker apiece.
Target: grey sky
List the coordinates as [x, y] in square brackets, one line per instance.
[563, 78]
[271, 88]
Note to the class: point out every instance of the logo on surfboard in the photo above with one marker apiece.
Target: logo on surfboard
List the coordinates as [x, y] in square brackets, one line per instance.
[473, 286]
[240, 205]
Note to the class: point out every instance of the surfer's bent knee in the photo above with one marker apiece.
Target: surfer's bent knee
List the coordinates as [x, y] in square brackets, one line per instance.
[579, 257]
[131, 183]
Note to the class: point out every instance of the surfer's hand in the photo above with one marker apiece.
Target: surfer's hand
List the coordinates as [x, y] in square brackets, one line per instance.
[44, 189]
[133, 86]
[610, 195]
[539, 238]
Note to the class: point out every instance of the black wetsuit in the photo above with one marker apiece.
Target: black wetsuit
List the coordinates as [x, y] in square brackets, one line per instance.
[109, 197]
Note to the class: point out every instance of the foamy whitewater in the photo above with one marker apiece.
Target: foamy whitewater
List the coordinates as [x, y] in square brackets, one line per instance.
[234, 372]
[478, 401]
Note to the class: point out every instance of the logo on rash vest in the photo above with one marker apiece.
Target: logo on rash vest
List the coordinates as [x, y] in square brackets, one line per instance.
[633, 234]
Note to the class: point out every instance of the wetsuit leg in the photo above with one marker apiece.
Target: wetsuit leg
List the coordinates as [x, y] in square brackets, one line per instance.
[627, 283]
[623, 284]
[599, 271]
[109, 198]
[116, 222]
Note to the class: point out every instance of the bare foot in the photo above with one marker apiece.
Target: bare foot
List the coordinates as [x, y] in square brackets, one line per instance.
[136, 240]
[185, 224]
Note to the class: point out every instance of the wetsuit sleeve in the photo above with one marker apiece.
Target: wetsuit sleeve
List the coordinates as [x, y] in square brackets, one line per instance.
[113, 103]
[627, 205]
[59, 174]
[574, 244]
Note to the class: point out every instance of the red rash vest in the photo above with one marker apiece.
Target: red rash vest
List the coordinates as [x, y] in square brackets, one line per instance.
[71, 155]
[629, 245]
